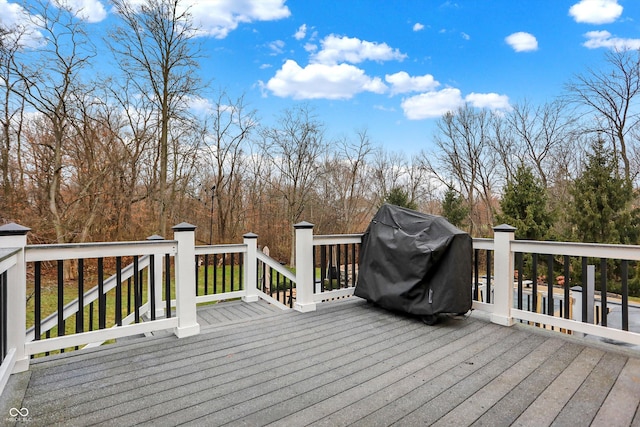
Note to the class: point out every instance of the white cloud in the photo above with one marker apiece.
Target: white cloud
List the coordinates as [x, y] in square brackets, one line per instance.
[596, 11]
[465, 36]
[522, 42]
[200, 105]
[492, 101]
[277, 46]
[14, 17]
[432, 104]
[418, 27]
[301, 33]
[402, 82]
[322, 81]
[10, 13]
[89, 10]
[337, 49]
[217, 18]
[598, 39]
[383, 108]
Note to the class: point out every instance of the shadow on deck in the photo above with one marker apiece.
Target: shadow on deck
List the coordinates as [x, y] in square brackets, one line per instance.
[346, 363]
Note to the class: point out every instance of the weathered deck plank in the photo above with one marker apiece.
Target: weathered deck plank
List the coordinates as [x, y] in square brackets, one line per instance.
[623, 398]
[349, 363]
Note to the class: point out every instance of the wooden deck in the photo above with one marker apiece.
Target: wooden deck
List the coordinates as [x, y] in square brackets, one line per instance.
[348, 363]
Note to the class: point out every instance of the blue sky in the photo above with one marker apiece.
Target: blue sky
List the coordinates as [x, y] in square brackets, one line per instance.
[393, 67]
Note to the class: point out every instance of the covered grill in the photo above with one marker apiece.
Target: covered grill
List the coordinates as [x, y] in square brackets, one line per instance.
[415, 263]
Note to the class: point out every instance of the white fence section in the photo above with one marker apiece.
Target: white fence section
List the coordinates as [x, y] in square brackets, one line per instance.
[306, 293]
[615, 252]
[9, 275]
[502, 307]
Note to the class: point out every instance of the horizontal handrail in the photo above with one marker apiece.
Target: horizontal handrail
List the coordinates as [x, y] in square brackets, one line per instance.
[82, 338]
[8, 258]
[337, 239]
[595, 250]
[276, 266]
[99, 250]
[577, 326]
[336, 293]
[484, 244]
[238, 248]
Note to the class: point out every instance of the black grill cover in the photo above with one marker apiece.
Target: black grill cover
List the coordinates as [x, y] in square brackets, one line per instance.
[415, 263]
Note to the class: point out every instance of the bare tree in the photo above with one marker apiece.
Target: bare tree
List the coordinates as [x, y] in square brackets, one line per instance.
[156, 49]
[133, 156]
[229, 128]
[346, 187]
[543, 136]
[52, 88]
[419, 180]
[611, 95]
[294, 149]
[387, 169]
[12, 107]
[465, 156]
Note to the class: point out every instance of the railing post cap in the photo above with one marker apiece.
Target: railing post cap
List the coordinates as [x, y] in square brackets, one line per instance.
[155, 237]
[504, 228]
[13, 229]
[250, 236]
[303, 225]
[184, 226]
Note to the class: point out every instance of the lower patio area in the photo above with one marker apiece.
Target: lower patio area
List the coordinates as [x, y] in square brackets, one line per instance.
[348, 363]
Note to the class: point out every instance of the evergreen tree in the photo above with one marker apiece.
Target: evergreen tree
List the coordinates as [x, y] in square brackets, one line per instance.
[601, 209]
[524, 206]
[397, 196]
[454, 208]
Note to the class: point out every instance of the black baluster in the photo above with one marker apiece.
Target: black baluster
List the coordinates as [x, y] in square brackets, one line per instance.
[118, 307]
[37, 300]
[102, 298]
[80, 312]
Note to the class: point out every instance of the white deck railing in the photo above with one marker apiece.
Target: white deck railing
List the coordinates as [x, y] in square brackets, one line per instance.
[10, 262]
[501, 308]
[308, 292]
[154, 258]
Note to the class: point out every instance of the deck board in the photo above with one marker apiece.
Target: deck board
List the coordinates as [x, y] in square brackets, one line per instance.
[348, 363]
[625, 396]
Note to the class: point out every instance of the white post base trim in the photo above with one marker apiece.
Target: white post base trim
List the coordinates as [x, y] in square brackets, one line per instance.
[502, 320]
[21, 365]
[187, 331]
[304, 308]
[250, 298]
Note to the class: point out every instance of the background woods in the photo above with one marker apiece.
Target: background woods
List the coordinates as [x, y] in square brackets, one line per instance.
[92, 157]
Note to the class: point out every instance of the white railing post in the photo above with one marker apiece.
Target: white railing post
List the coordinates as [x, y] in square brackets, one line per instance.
[251, 268]
[305, 274]
[15, 236]
[503, 275]
[157, 281]
[185, 281]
